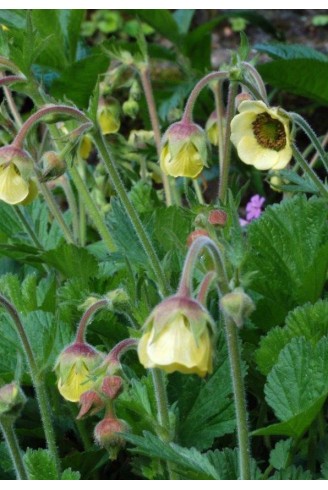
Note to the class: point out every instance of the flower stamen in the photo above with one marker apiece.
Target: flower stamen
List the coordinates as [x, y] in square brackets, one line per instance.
[269, 132]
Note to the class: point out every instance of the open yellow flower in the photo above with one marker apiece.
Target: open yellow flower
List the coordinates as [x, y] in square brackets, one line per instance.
[261, 136]
[16, 167]
[184, 150]
[74, 367]
[177, 337]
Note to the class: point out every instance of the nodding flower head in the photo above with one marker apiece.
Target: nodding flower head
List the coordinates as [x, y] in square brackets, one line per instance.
[16, 168]
[178, 337]
[109, 116]
[74, 368]
[184, 151]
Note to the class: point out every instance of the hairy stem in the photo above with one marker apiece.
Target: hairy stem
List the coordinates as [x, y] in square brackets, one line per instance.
[148, 91]
[310, 172]
[7, 428]
[81, 329]
[132, 214]
[225, 164]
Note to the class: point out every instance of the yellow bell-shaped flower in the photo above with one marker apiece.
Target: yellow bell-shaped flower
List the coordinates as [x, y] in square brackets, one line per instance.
[178, 337]
[73, 369]
[184, 151]
[16, 167]
[109, 116]
[261, 135]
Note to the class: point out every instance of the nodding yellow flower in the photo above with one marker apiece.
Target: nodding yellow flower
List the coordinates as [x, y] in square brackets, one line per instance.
[73, 369]
[261, 136]
[109, 116]
[184, 151]
[178, 337]
[16, 167]
[12, 399]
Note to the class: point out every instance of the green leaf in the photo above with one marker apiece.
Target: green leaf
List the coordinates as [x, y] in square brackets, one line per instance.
[172, 226]
[279, 456]
[72, 261]
[162, 21]
[297, 68]
[308, 321]
[189, 460]
[9, 223]
[13, 18]
[78, 80]
[212, 413]
[297, 386]
[292, 473]
[68, 474]
[287, 244]
[227, 465]
[40, 465]
[70, 21]
[144, 197]
[183, 18]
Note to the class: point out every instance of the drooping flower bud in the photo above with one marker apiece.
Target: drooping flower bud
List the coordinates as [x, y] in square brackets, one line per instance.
[91, 403]
[237, 305]
[184, 151]
[112, 386]
[53, 166]
[85, 147]
[241, 98]
[178, 337]
[12, 400]
[195, 234]
[74, 368]
[108, 435]
[130, 108]
[217, 217]
[16, 168]
[212, 129]
[109, 116]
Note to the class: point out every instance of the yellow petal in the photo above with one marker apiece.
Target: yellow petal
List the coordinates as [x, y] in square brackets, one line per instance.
[85, 147]
[108, 123]
[284, 157]
[254, 106]
[266, 159]
[241, 126]
[248, 149]
[187, 162]
[13, 189]
[142, 351]
[76, 383]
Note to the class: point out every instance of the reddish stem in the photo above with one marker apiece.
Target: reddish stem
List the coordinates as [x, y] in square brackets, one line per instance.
[120, 349]
[81, 329]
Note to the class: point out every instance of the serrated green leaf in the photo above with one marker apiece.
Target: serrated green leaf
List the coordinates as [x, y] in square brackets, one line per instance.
[40, 465]
[183, 458]
[308, 321]
[162, 21]
[68, 474]
[289, 239]
[183, 18]
[227, 465]
[279, 455]
[72, 261]
[281, 51]
[212, 413]
[292, 473]
[9, 223]
[144, 198]
[172, 226]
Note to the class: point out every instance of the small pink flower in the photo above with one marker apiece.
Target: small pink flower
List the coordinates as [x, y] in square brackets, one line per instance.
[253, 209]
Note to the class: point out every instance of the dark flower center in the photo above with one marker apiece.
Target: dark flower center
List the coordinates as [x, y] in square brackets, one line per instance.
[269, 132]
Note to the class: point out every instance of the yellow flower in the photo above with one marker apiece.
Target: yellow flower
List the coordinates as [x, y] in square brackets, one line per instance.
[16, 167]
[177, 337]
[261, 135]
[74, 367]
[183, 152]
[109, 116]
[85, 147]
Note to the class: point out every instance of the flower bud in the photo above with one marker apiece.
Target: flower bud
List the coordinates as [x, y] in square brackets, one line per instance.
[109, 116]
[178, 337]
[139, 138]
[217, 217]
[74, 368]
[212, 129]
[108, 435]
[85, 147]
[12, 400]
[184, 151]
[194, 235]
[16, 168]
[112, 386]
[241, 97]
[130, 108]
[91, 403]
[53, 166]
[237, 305]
